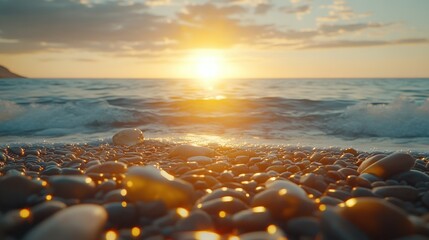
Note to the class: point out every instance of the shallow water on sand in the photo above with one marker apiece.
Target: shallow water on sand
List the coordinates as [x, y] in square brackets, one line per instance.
[368, 114]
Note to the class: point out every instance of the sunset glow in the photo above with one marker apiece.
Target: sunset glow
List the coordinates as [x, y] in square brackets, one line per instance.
[208, 65]
[240, 39]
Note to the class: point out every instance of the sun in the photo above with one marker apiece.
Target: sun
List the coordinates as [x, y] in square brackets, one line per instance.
[208, 65]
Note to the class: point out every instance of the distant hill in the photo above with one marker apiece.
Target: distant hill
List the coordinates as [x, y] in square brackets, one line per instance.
[5, 73]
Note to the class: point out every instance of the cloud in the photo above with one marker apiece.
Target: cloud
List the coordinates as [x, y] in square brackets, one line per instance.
[134, 29]
[344, 28]
[299, 10]
[70, 24]
[365, 43]
[211, 26]
[340, 10]
[262, 8]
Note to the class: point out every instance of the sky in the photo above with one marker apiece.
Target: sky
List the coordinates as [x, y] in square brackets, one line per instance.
[219, 38]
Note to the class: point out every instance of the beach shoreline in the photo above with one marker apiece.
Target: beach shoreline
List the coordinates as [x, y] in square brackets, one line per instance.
[319, 186]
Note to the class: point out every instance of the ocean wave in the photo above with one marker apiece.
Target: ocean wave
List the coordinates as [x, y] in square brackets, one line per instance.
[9, 110]
[401, 118]
[60, 119]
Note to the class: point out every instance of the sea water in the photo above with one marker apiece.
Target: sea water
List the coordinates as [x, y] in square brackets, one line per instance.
[367, 114]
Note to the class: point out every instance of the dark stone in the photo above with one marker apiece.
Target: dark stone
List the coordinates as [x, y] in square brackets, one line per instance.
[15, 190]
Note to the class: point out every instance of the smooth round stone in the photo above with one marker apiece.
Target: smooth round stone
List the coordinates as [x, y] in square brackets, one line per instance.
[362, 192]
[291, 187]
[192, 235]
[187, 151]
[151, 210]
[369, 161]
[327, 200]
[303, 226]
[197, 220]
[108, 167]
[229, 205]
[333, 226]
[51, 171]
[114, 196]
[370, 178]
[224, 192]
[315, 157]
[15, 190]
[259, 235]
[260, 177]
[339, 194]
[390, 165]
[106, 186]
[314, 181]
[348, 172]
[71, 171]
[79, 187]
[121, 214]
[249, 220]
[406, 193]
[150, 184]
[412, 177]
[128, 137]
[83, 222]
[377, 218]
[200, 159]
[283, 204]
[44, 210]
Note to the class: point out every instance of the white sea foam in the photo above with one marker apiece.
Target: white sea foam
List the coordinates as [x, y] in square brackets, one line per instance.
[58, 119]
[401, 118]
[9, 110]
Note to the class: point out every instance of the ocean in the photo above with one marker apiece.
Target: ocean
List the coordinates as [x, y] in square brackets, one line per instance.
[367, 114]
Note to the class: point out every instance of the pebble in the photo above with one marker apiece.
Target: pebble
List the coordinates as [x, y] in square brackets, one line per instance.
[228, 205]
[149, 184]
[197, 220]
[224, 192]
[219, 192]
[411, 177]
[255, 219]
[303, 227]
[83, 222]
[274, 234]
[187, 151]
[79, 187]
[44, 210]
[369, 161]
[390, 165]
[290, 187]
[108, 167]
[121, 214]
[15, 190]
[128, 137]
[334, 226]
[200, 159]
[284, 204]
[406, 193]
[377, 218]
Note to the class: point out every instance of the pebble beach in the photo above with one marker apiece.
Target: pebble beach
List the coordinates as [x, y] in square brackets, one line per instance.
[131, 188]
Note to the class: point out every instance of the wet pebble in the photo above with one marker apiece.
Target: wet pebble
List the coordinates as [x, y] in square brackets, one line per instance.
[108, 167]
[390, 165]
[187, 151]
[82, 222]
[78, 187]
[15, 190]
[128, 137]
[387, 220]
[149, 184]
[406, 193]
